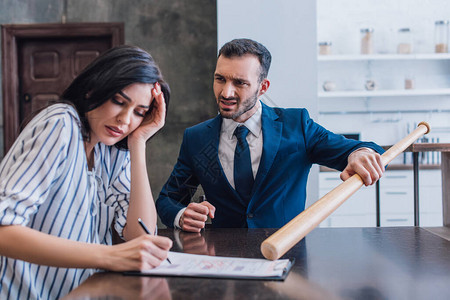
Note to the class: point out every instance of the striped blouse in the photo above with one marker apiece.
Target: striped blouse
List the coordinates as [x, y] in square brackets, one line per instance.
[46, 185]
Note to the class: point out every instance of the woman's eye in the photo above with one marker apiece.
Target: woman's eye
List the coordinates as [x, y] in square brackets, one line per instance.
[140, 113]
[116, 101]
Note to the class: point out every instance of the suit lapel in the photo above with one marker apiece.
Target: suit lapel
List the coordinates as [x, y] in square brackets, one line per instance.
[271, 129]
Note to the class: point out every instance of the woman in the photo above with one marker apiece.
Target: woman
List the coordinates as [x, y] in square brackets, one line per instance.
[67, 180]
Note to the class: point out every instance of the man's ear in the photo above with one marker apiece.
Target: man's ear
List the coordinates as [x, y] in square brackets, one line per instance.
[264, 86]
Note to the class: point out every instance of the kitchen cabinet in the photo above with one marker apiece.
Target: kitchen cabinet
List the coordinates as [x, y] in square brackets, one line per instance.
[396, 200]
[430, 198]
[356, 211]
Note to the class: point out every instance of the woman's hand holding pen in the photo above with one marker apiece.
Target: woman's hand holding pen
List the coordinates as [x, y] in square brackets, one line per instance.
[147, 231]
[142, 253]
[154, 120]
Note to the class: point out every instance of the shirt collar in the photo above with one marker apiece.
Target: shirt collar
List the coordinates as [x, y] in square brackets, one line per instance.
[253, 124]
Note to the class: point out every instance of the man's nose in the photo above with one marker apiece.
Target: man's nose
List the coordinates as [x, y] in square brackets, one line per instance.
[228, 90]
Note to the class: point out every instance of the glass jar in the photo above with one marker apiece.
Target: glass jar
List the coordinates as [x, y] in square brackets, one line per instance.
[366, 40]
[409, 82]
[324, 48]
[404, 41]
[441, 36]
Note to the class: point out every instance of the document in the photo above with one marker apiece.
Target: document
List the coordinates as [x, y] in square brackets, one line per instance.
[193, 265]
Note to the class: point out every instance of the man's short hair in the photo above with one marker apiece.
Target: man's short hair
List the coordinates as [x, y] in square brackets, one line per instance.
[240, 47]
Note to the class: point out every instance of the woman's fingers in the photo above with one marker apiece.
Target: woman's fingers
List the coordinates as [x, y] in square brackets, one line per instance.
[144, 252]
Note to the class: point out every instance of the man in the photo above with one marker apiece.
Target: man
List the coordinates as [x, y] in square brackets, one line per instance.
[256, 176]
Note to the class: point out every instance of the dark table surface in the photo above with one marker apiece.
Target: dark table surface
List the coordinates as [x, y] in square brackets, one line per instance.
[331, 263]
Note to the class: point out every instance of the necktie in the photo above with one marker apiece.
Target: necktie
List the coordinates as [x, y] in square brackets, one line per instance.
[243, 175]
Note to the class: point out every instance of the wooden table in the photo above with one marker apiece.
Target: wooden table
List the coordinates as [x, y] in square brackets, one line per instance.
[331, 263]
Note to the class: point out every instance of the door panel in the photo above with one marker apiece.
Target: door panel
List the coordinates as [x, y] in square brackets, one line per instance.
[48, 66]
[40, 60]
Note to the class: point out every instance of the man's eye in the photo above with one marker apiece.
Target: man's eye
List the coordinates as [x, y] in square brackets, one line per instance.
[219, 79]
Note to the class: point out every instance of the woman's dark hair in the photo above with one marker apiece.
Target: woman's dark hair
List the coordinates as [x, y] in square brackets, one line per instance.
[107, 75]
[240, 47]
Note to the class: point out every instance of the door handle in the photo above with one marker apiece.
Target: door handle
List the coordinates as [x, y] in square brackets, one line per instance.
[26, 98]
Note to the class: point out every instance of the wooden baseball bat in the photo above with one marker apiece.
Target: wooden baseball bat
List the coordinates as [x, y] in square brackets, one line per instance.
[290, 234]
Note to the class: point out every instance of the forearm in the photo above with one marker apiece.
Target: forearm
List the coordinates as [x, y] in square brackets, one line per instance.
[20, 242]
[141, 200]
[29, 245]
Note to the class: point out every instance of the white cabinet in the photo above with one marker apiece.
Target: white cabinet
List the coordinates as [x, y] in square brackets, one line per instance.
[396, 200]
[357, 211]
[430, 198]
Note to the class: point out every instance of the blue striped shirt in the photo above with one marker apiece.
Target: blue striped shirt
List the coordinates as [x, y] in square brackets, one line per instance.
[46, 185]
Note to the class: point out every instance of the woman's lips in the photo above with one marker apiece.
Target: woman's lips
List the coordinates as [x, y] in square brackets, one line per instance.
[114, 131]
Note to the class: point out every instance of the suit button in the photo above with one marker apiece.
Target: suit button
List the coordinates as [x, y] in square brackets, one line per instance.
[250, 216]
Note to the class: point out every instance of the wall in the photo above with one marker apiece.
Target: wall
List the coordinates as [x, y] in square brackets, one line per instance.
[339, 22]
[181, 35]
[288, 30]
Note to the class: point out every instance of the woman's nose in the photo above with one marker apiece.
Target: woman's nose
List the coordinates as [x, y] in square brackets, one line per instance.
[124, 116]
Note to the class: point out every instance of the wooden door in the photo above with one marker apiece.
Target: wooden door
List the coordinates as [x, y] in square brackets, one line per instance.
[48, 66]
[40, 61]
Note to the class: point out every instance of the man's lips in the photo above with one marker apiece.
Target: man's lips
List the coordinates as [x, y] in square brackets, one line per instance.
[114, 131]
[228, 103]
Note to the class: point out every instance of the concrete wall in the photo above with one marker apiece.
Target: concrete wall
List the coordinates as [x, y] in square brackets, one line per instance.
[180, 34]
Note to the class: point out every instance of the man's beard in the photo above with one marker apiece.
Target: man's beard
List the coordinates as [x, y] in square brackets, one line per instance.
[244, 106]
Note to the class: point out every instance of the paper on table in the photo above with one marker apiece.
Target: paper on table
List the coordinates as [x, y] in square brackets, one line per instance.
[184, 264]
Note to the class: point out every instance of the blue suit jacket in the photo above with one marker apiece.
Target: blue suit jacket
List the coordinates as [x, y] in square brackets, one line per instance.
[292, 142]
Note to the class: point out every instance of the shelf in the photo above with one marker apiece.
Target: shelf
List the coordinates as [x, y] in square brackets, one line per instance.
[360, 57]
[384, 93]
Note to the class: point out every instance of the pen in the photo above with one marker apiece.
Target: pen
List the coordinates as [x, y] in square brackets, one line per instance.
[148, 232]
